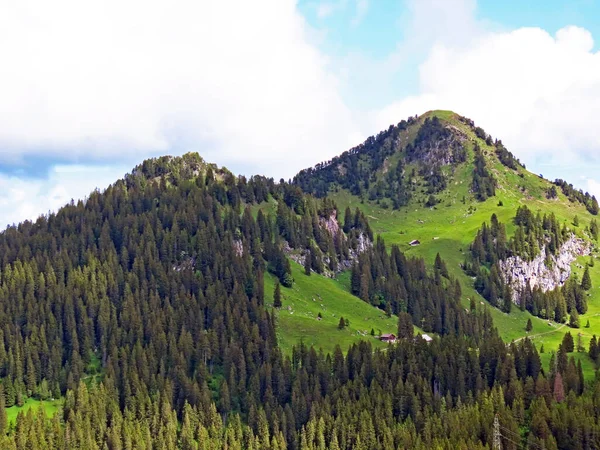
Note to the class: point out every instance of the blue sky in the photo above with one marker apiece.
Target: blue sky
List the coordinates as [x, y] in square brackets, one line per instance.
[385, 24]
[89, 90]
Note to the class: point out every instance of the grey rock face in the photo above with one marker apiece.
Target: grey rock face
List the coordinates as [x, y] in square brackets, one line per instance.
[332, 226]
[518, 273]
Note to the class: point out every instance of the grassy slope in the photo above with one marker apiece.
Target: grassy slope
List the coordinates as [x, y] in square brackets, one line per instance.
[93, 375]
[450, 227]
[313, 294]
[51, 408]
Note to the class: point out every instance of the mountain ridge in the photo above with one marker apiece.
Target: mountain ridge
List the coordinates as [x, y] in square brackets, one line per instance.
[164, 312]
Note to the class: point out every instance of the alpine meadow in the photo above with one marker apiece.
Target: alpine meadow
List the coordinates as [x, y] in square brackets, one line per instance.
[422, 290]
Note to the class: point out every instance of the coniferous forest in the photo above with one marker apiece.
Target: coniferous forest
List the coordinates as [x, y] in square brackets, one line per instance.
[143, 308]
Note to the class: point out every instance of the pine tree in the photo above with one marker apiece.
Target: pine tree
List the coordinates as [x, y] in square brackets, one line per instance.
[277, 295]
[580, 378]
[586, 280]
[507, 299]
[348, 220]
[440, 265]
[574, 319]
[594, 350]
[568, 345]
[307, 262]
[559, 388]
[341, 324]
[3, 419]
[579, 343]
[594, 229]
[529, 326]
[355, 279]
[405, 326]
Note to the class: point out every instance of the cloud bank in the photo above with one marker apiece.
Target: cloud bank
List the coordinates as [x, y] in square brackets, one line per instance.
[22, 199]
[237, 81]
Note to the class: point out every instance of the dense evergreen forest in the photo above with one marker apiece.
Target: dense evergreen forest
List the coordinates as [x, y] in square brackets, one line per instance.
[398, 284]
[354, 169]
[436, 150]
[434, 147]
[144, 308]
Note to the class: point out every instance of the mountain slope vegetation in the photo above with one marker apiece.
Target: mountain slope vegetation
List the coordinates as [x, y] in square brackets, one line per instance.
[446, 222]
[186, 307]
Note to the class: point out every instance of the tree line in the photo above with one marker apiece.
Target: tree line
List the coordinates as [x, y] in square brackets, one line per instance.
[160, 280]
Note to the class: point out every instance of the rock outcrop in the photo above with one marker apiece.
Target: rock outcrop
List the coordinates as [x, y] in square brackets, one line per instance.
[440, 149]
[331, 225]
[518, 272]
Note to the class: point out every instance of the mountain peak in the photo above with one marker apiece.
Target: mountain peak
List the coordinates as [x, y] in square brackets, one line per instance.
[440, 114]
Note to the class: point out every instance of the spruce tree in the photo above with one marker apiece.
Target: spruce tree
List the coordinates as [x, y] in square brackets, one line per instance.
[559, 388]
[594, 229]
[507, 297]
[277, 295]
[574, 319]
[593, 350]
[529, 326]
[341, 324]
[568, 344]
[3, 419]
[307, 262]
[586, 281]
[405, 326]
[348, 219]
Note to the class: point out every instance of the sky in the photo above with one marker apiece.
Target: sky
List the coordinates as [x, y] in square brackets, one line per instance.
[91, 89]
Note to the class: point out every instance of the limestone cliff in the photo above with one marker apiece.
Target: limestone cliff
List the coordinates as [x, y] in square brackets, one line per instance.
[518, 272]
[331, 225]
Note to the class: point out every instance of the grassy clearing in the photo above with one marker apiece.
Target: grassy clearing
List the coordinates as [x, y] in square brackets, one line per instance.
[50, 406]
[314, 294]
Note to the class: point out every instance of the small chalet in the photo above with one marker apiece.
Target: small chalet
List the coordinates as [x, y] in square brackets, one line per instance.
[414, 243]
[427, 338]
[390, 338]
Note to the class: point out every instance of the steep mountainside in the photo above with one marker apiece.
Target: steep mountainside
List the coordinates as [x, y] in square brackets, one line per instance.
[188, 308]
[436, 179]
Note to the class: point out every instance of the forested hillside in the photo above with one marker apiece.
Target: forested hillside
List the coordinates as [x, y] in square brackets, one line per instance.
[151, 313]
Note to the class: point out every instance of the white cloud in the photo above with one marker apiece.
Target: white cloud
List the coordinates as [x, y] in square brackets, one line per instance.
[325, 9]
[26, 199]
[362, 7]
[593, 187]
[235, 80]
[539, 93]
